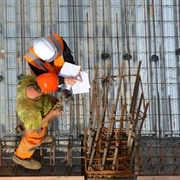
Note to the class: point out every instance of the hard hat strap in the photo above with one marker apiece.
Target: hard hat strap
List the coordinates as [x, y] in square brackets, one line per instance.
[37, 88]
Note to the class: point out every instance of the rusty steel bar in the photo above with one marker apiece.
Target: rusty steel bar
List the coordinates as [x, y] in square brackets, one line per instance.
[127, 25]
[145, 112]
[105, 103]
[97, 136]
[0, 153]
[117, 42]
[69, 157]
[138, 111]
[7, 61]
[170, 113]
[41, 151]
[50, 155]
[75, 30]
[118, 93]
[92, 132]
[92, 109]
[150, 153]
[107, 79]
[87, 26]
[161, 155]
[118, 139]
[93, 101]
[83, 111]
[136, 88]
[175, 157]
[70, 118]
[54, 151]
[107, 138]
[69, 154]
[122, 120]
[139, 159]
[156, 71]
[134, 98]
[155, 119]
[124, 96]
[130, 137]
[139, 131]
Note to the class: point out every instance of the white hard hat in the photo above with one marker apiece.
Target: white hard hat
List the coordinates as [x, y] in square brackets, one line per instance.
[45, 49]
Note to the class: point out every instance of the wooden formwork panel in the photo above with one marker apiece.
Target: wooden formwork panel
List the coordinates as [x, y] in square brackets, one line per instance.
[158, 177]
[44, 178]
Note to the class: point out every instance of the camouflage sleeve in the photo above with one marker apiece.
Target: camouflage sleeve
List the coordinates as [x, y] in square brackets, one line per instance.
[31, 120]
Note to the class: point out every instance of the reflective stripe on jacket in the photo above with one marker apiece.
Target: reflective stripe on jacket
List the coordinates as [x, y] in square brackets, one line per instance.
[33, 59]
[25, 149]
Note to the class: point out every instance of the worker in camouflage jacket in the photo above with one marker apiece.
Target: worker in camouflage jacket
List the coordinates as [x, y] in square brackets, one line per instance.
[36, 108]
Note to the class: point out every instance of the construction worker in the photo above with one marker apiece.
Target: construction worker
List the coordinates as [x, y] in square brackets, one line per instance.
[35, 108]
[48, 54]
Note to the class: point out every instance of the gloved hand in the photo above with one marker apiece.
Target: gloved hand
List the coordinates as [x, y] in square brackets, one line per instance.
[55, 111]
[58, 106]
[20, 128]
[65, 91]
[66, 94]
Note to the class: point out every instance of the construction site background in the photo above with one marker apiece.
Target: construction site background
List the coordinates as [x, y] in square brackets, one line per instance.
[98, 33]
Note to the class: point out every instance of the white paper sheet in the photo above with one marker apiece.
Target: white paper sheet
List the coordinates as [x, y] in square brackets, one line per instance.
[81, 87]
[69, 70]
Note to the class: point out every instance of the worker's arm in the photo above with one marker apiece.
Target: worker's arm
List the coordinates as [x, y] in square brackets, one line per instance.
[71, 81]
[52, 113]
[68, 58]
[67, 54]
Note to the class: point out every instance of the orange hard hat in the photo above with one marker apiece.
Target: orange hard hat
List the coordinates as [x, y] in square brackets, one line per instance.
[48, 82]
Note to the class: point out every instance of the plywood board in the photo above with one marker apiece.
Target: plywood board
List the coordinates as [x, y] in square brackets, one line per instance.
[44, 178]
[158, 177]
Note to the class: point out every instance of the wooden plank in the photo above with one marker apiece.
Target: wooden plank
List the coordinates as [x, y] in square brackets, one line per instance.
[158, 177]
[44, 178]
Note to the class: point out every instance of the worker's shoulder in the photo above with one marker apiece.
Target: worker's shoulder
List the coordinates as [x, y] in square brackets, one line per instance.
[27, 79]
[57, 36]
